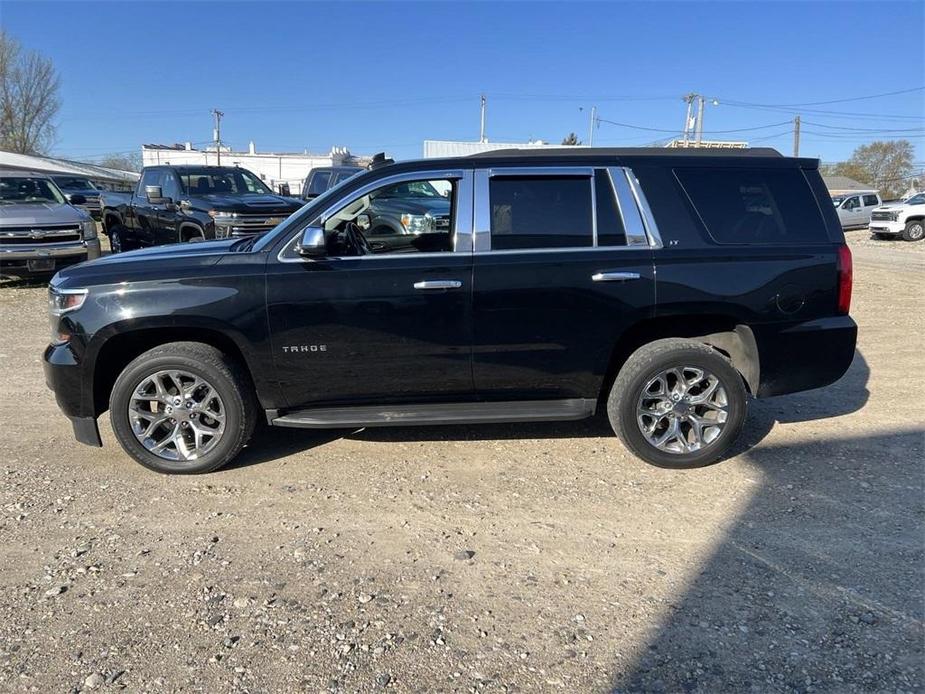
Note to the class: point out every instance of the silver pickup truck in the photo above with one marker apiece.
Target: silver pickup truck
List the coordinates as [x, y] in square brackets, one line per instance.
[40, 231]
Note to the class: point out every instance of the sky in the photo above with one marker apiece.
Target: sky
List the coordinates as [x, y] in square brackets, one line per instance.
[386, 76]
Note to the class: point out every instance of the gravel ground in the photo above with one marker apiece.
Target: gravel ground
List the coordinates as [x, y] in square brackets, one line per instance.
[497, 558]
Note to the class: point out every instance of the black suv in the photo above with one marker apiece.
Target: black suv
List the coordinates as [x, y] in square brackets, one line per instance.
[664, 286]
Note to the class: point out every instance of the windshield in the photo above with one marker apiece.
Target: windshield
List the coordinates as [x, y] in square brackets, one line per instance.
[20, 189]
[74, 182]
[211, 181]
[302, 216]
[918, 199]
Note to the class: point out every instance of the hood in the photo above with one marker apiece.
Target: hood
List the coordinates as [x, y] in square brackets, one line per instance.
[251, 203]
[436, 206]
[138, 264]
[890, 205]
[24, 214]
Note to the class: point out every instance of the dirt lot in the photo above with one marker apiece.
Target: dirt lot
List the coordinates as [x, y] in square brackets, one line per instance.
[505, 558]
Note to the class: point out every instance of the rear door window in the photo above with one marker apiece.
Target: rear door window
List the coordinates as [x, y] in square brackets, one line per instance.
[871, 200]
[754, 206]
[540, 212]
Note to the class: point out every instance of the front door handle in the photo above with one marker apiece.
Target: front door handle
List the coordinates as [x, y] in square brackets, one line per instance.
[614, 276]
[438, 284]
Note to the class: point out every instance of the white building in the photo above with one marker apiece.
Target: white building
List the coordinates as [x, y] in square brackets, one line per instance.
[277, 169]
[437, 149]
[102, 177]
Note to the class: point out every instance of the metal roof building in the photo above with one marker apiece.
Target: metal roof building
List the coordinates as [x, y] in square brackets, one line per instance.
[100, 175]
[839, 185]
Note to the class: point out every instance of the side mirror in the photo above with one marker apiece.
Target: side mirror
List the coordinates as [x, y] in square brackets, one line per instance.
[363, 222]
[77, 199]
[311, 244]
[154, 194]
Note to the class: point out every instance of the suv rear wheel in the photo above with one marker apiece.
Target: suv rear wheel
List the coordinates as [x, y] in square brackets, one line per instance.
[183, 407]
[677, 404]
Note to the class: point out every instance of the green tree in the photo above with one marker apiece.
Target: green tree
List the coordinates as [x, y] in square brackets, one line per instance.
[886, 165]
[571, 139]
[28, 98]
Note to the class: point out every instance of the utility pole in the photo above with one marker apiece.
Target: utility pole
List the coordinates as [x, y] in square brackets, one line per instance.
[591, 132]
[796, 136]
[217, 134]
[700, 101]
[482, 137]
[689, 98]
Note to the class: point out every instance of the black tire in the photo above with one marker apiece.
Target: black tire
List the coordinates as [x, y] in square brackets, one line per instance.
[224, 374]
[914, 231]
[644, 365]
[118, 239]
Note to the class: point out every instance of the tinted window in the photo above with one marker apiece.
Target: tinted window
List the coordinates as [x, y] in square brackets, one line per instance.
[754, 205]
[74, 183]
[211, 181]
[870, 200]
[344, 175]
[540, 212]
[610, 230]
[402, 218]
[170, 186]
[319, 182]
[151, 177]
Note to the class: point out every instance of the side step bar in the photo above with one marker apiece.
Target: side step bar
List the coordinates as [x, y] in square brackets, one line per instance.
[445, 413]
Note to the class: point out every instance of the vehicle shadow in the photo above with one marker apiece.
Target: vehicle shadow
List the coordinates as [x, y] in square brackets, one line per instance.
[848, 395]
[817, 586]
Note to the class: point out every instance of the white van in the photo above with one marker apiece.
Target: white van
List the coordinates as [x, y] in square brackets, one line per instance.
[854, 208]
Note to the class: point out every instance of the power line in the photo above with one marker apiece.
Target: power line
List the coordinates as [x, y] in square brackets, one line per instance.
[840, 101]
[675, 130]
[866, 130]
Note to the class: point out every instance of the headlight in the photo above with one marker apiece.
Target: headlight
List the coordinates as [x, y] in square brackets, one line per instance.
[894, 216]
[61, 301]
[223, 222]
[417, 223]
[89, 229]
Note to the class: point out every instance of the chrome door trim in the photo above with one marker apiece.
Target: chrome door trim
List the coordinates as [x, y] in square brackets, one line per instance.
[287, 254]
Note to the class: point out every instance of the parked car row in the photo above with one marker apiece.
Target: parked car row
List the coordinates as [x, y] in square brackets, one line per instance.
[904, 219]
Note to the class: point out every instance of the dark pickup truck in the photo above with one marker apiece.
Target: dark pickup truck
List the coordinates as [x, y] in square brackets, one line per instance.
[665, 287]
[173, 204]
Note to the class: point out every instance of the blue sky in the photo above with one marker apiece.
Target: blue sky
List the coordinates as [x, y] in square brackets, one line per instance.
[385, 76]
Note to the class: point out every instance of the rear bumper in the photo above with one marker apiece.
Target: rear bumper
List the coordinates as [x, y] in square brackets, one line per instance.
[805, 355]
[64, 376]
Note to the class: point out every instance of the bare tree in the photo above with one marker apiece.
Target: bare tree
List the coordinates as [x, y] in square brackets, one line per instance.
[571, 139]
[122, 162]
[28, 98]
[886, 165]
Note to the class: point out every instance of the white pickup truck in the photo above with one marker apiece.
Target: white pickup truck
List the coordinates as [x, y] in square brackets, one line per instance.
[905, 218]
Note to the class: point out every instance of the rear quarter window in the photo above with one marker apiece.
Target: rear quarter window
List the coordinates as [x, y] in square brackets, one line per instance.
[754, 206]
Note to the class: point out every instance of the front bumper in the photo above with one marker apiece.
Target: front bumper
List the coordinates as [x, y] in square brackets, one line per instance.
[878, 227]
[65, 377]
[15, 259]
[806, 355]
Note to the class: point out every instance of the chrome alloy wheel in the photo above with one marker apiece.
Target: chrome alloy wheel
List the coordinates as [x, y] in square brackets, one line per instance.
[176, 415]
[682, 410]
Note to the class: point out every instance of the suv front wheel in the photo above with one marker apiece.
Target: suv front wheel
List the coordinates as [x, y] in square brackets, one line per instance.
[915, 230]
[677, 403]
[183, 407]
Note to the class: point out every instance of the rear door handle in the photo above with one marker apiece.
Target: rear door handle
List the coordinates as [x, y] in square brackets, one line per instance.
[614, 276]
[438, 284]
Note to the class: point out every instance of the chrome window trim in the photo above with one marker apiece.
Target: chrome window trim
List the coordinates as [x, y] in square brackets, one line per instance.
[463, 178]
[571, 171]
[633, 224]
[648, 219]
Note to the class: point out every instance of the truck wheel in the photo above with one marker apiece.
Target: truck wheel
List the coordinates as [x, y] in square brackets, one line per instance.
[914, 231]
[118, 241]
[183, 408]
[677, 404]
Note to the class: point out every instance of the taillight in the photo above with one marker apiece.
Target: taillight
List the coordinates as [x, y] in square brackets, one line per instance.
[845, 278]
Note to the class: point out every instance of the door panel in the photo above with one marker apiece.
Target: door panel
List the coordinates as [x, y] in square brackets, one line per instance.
[350, 330]
[553, 337]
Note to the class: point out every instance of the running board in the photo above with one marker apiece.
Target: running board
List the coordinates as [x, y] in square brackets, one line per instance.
[445, 413]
